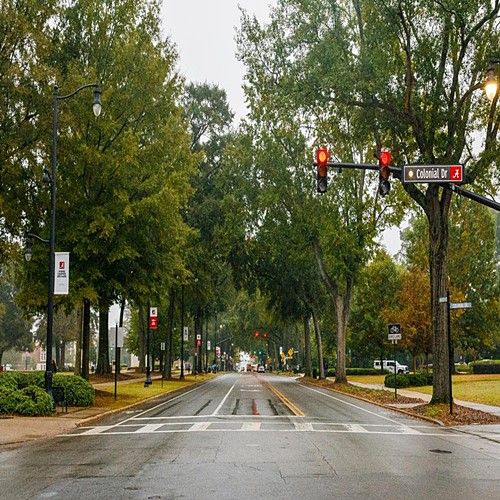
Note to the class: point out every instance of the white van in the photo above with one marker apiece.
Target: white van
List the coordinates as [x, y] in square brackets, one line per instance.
[389, 365]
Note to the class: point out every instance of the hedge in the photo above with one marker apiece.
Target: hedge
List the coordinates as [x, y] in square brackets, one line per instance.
[485, 368]
[23, 392]
[409, 379]
[365, 371]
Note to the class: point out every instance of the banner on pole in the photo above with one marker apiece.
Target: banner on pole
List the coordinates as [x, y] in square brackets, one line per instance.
[61, 273]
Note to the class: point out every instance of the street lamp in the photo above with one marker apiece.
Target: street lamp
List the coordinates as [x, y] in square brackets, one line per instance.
[51, 179]
[491, 82]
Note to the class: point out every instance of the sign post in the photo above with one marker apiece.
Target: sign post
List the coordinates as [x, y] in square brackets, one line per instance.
[394, 335]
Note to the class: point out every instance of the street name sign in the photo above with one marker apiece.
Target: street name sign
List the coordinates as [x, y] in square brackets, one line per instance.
[460, 305]
[185, 333]
[433, 173]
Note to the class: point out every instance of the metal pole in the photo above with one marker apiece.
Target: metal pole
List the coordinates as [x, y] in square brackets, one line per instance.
[116, 358]
[182, 333]
[52, 244]
[395, 376]
[450, 359]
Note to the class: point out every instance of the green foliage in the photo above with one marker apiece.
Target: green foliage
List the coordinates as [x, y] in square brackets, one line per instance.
[34, 402]
[409, 379]
[486, 367]
[78, 391]
[364, 371]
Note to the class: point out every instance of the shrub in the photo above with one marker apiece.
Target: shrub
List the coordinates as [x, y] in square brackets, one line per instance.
[78, 391]
[401, 380]
[33, 401]
[364, 371]
[8, 380]
[486, 368]
[8, 399]
[409, 379]
[26, 379]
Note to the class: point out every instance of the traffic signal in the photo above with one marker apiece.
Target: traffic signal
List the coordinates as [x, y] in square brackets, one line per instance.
[322, 166]
[256, 333]
[384, 160]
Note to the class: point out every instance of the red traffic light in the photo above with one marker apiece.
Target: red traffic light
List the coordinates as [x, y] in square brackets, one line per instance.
[256, 333]
[322, 157]
[384, 158]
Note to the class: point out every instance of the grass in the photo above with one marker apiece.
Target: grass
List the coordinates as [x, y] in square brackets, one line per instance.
[128, 394]
[481, 388]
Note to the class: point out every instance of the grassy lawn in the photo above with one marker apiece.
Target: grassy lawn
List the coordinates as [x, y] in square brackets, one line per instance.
[134, 392]
[478, 388]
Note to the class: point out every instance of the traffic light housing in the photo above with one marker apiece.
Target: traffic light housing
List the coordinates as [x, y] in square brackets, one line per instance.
[384, 160]
[322, 170]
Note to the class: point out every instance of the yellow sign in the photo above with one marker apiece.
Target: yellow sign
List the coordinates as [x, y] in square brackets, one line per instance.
[290, 351]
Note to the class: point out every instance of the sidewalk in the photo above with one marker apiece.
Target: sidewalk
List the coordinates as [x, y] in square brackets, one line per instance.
[493, 410]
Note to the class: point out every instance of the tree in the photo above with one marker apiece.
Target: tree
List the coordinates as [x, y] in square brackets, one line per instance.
[14, 328]
[408, 71]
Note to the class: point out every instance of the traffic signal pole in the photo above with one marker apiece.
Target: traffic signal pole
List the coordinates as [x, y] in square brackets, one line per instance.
[397, 174]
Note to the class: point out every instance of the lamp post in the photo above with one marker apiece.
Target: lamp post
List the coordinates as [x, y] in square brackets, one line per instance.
[182, 333]
[51, 178]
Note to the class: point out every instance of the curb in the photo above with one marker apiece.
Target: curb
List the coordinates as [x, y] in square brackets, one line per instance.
[399, 410]
[94, 418]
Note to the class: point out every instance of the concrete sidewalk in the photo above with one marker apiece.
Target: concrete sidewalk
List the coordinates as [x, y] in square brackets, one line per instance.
[493, 410]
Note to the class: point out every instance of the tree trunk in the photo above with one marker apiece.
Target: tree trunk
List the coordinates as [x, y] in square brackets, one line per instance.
[307, 347]
[437, 214]
[103, 365]
[86, 339]
[317, 331]
[167, 366]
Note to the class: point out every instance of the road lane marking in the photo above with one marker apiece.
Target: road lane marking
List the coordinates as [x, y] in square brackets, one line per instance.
[98, 430]
[291, 406]
[250, 426]
[356, 428]
[351, 404]
[216, 411]
[199, 426]
[303, 426]
[148, 428]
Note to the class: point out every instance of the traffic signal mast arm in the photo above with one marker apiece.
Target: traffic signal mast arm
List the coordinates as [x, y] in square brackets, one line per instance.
[397, 173]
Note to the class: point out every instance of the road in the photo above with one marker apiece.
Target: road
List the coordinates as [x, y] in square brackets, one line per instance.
[253, 436]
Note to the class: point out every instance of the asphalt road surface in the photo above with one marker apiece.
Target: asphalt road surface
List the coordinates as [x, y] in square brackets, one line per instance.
[254, 436]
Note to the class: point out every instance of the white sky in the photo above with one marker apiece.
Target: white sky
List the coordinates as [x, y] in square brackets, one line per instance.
[204, 34]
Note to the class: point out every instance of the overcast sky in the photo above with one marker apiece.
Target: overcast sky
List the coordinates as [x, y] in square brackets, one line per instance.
[204, 34]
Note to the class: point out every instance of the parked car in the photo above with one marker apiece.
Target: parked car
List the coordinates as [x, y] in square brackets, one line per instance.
[261, 369]
[391, 365]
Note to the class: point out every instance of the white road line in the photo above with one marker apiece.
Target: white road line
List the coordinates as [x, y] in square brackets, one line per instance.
[148, 428]
[223, 401]
[303, 426]
[250, 426]
[404, 429]
[199, 426]
[217, 417]
[158, 405]
[351, 404]
[250, 390]
[356, 428]
[98, 430]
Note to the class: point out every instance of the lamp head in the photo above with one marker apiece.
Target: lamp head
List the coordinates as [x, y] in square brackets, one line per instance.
[491, 83]
[96, 106]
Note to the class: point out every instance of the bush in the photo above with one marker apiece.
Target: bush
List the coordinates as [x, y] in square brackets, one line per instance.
[485, 368]
[78, 391]
[365, 371]
[409, 379]
[8, 380]
[35, 401]
[8, 399]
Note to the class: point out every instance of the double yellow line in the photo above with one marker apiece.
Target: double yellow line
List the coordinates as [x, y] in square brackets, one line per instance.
[291, 406]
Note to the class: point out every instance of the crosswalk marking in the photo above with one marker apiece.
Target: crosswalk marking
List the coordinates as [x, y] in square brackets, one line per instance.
[221, 424]
[250, 426]
[148, 428]
[199, 426]
[303, 426]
